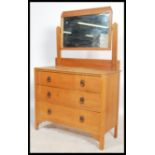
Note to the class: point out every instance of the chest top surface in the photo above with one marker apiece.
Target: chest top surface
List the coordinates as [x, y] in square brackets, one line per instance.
[76, 70]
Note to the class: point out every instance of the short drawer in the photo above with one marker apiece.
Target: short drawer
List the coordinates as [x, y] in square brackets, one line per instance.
[72, 98]
[69, 81]
[82, 119]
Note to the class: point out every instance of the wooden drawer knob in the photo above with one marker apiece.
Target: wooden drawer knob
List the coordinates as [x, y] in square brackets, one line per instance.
[82, 100]
[81, 119]
[49, 111]
[82, 83]
[49, 94]
[49, 79]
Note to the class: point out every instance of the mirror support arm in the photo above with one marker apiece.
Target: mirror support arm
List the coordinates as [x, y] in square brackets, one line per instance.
[58, 38]
[114, 46]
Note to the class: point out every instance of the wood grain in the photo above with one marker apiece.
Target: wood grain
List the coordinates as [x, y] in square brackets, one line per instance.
[86, 11]
[70, 116]
[71, 98]
[69, 81]
[103, 117]
[76, 70]
[100, 110]
[58, 34]
[88, 63]
[112, 101]
[114, 46]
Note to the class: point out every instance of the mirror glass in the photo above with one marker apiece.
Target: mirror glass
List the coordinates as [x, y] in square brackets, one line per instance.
[87, 31]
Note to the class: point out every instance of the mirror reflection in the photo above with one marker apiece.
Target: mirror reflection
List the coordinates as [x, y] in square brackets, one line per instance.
[87, 31]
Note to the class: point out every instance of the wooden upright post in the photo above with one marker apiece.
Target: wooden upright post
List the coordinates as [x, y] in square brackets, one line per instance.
[58, 36]
[114, 46]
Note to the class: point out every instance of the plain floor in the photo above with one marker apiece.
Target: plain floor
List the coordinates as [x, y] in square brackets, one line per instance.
[52, 137]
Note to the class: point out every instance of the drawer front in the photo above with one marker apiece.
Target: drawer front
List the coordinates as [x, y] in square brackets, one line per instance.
[82, 119]
[77, 99]
[69, 81]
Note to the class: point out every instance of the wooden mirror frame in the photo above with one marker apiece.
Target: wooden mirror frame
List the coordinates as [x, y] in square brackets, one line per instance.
[83, 12]
[88, 63]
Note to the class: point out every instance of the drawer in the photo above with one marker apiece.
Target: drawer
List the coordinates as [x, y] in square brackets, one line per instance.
[77, 118]
[72, 98]
[69, 81]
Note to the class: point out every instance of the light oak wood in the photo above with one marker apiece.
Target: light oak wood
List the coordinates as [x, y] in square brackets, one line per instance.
[116, 131]
[58, 32]
[36, 122]
[76, 70]
[112, 101]
[117, 105]
[101, 101]
[110, 31]
[70, 116]
[86, 11]
[71, 98]
[101, 142]
[103, 117]
[87, 63]
[69, 81]
[114, 46]
[61, 32]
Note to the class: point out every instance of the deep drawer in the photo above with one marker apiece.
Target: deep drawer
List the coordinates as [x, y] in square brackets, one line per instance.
[82, 119]
[71, 98]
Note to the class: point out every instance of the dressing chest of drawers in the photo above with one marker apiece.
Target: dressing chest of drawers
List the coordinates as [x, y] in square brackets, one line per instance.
[80, 93]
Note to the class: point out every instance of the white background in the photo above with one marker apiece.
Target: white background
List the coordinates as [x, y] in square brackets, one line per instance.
[44, 19]
[14, 77]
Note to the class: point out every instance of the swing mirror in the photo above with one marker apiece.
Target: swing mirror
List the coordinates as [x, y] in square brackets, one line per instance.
[87, 29]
